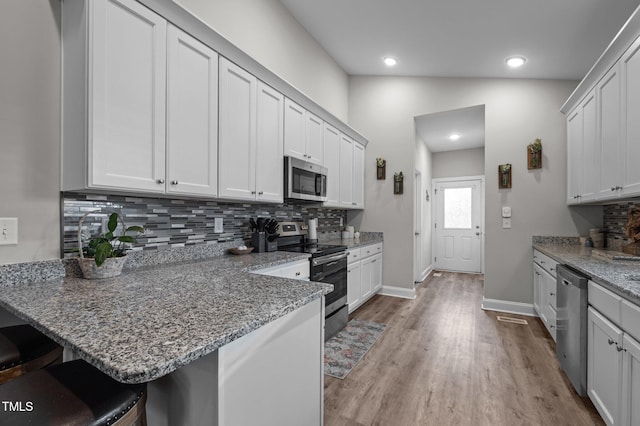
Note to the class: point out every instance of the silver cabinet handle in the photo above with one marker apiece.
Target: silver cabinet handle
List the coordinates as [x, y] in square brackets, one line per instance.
[260, 193]
[618, 348]
[297, 274]
[552, 294]
[611, 342]
[160, 181]
[174, 182]
[253, 192]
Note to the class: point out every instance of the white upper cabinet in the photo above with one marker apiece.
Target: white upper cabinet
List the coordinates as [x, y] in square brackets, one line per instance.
[574, 156]
[346, 171]
[114, 96]
[608, 92]
[603, 132]
[251, 161]
[238, 123]
[303, 133]
[332, 164]
[630, 89]
[270, 145]
[314, 129]
[358, 176]
[192, 116]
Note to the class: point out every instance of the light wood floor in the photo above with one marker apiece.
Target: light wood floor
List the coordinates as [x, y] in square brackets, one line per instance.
[442, 360]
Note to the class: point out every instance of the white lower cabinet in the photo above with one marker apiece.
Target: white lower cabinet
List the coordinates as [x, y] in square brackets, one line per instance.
[544, 290]
[364, 274]
[613, 357]
[298, 270]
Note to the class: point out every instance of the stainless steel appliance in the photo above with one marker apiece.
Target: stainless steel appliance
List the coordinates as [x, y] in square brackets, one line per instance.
[328, 264]
[304, 180]
[571, 334]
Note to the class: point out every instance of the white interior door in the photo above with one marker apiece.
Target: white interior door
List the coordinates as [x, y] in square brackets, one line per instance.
[458, 224]
[417, 226]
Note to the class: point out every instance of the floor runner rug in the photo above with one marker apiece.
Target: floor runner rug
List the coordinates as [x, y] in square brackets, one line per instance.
[344, 350]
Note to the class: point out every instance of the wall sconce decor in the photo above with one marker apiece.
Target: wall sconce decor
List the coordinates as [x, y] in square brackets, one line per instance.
[398, 183]
[381, 168]
[504, 176]
[534, 155]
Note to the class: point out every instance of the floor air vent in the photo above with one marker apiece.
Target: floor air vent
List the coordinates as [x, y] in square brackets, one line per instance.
[512, 320]
[437, 274]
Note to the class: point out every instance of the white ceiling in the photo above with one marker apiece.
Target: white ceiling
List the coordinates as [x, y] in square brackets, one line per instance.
[435, 129]
[464, 38]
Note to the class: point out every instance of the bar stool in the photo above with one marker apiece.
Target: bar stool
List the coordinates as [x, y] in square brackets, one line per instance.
[24, 349]
[72, 393]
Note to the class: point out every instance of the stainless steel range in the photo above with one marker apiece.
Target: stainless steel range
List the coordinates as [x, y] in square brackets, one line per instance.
[328, 264]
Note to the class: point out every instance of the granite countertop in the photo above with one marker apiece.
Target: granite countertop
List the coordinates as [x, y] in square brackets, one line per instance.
[364, 240]
[620, 276]
[144, 324]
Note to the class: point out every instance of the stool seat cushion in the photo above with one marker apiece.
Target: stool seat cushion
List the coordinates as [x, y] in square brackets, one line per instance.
[71, 393]
[20, 344]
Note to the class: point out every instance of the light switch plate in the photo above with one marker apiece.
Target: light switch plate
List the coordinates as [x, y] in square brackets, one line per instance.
[8, 230]
[506, 222]
[218, 227]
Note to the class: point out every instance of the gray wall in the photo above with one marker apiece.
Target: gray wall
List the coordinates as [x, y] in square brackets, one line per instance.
[30, 127]
[517, 112]
[265, 30]
[463, 162]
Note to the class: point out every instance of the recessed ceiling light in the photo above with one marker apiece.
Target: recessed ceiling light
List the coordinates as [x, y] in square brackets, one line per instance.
[389, 61]
[454, 136]
[515, 61]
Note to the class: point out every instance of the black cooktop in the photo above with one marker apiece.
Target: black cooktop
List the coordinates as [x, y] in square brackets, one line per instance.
[314, 249]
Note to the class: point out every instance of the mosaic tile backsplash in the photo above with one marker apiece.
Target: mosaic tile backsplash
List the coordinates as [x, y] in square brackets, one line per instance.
[181, 223]
[615, 219]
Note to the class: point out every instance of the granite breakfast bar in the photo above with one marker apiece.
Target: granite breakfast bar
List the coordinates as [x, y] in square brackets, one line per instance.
[209, 336]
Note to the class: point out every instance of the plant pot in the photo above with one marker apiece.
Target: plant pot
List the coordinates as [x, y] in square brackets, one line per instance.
[112, 267]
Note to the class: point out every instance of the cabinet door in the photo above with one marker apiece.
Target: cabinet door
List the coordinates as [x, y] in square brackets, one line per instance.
[376, 273]
[237, 161]
[358, 176]
[547, 301]
[574, 156]
[346, 171]
[354, 285]
[631, 382]
[543, 295]
[604, 366]
[630, 75]
[192, 115]
[270, 145]
[610, 141]
[537, 290]
[314, 130]
[294, 130]
[367, 277]
[590, 166]
[332, 163]
[127, 81]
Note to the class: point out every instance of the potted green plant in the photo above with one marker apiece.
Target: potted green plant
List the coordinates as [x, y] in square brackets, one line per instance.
[534, 154]
[104, 255]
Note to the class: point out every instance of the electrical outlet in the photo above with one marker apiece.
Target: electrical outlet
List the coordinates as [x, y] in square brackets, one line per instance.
[218, 226]
[506, 222]
[8, 230]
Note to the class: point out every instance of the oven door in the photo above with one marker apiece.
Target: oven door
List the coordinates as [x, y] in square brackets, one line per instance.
[332, 270]
[305, 181]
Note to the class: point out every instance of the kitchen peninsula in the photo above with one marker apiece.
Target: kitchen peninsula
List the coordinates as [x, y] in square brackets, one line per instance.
[209, 336]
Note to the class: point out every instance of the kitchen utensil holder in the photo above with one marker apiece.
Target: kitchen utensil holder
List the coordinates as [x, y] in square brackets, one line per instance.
[258, 240]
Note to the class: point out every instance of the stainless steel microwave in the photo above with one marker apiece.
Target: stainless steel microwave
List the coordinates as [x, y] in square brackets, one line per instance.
[304, 180]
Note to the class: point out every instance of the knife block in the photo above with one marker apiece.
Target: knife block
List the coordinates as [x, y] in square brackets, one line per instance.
[259, 242]
[271, 245]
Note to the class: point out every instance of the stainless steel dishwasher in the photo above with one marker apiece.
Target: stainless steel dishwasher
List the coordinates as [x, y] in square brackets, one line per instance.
[571, 334]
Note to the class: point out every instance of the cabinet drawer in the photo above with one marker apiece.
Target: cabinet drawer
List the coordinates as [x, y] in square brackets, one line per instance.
[353, 255]
[297, 270]
[372, 249]
[605, 301]
[630, 314]
[545, 261]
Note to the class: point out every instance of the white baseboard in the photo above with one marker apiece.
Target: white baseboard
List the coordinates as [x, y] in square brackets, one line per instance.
[425, 273]
[508, 307]
[405, 293]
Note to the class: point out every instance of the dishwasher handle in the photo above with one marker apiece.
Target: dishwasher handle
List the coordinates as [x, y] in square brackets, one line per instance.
[569, 276]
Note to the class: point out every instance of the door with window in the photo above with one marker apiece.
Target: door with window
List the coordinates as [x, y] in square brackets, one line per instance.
[458, 224]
